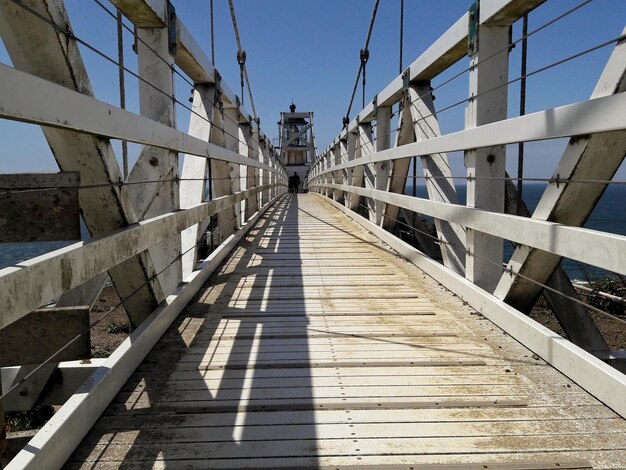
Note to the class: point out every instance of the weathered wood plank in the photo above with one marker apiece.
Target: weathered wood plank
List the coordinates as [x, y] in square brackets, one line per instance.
[35, 337]
[39, 207]
[306, 362]
[381, 447]
[550, 430]
[417, 415]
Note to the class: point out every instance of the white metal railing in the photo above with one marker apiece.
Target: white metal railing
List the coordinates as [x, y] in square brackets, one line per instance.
[146, 225]
[364, 175]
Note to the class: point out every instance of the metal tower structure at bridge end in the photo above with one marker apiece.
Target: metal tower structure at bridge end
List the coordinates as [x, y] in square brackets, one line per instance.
[297, 141]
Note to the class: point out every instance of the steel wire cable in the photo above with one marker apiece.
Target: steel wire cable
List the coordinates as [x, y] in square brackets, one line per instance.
[490, 90]
[145, 44]
[513, 178]
[212, 33]
[401, 33]
[94, 324]
[436, 239]
[122, 85]
[516, 273]
[508, 47]
[71, 35]
[107, 313]
[514, 80]
[240, 51]
[512, 272]
[504, 49]
[367, 41]
[30, 190]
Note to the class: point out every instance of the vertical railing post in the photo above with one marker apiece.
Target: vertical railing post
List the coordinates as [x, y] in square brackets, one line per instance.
[155, 65]
[254, 153]
[486, 166]
[437, 176]
[245, 130]
[234, 138]
[267, 155]
[365, 147]
[327, 176]
[338, 175]
[245, 149]
[381, 170]
[353, 176]
[343, 158]
[264, 174]
[194, 171]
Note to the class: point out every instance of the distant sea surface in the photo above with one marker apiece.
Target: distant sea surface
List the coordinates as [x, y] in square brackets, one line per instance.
[608, 216]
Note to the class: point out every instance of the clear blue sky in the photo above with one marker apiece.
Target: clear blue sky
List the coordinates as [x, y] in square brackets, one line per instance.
[308, 51]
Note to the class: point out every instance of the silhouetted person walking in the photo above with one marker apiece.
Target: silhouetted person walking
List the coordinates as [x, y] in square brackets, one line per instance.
[296, 181]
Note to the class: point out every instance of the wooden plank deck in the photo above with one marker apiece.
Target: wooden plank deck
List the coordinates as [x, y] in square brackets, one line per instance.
[314, 346]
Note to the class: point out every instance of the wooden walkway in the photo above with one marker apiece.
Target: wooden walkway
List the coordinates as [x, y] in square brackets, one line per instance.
[315, 347]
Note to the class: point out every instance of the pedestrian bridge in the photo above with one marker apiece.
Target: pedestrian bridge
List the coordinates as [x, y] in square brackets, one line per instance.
[332, 329]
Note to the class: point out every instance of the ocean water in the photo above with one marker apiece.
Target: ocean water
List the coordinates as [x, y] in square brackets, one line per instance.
[13, 253]
[608, 216]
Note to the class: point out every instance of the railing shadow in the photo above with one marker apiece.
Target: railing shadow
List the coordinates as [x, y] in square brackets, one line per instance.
[203, 392]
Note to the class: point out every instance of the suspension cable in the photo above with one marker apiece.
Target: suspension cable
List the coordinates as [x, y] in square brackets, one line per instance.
[522, 112]
[147, 46]
[71, 35]
[5, 191]
[121, 75]
[241, 59]
[401, 32]
[510, 45]
[212, 36]
[512, 272]
[364, 55]
[358, 75]
[514, 80]
[152, 278]
[496, 53]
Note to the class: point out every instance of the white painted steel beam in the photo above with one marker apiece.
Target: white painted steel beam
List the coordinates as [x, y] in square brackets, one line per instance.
[604, 250]
[598, 378]
[337, 175]
[221, 172]
[595, 157]
[589, 117]
[365, 148]
[575, 319]
[448, 49]
[438, 175]
[486, 166]
[252, 174]
[397, 169]
[156, 164]
[381, 170]
[194, 170]
[354, 175]
[189, 55]
[41, 102]
[56, 441]
[38, 281]
[233, 140]
[38, 49]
